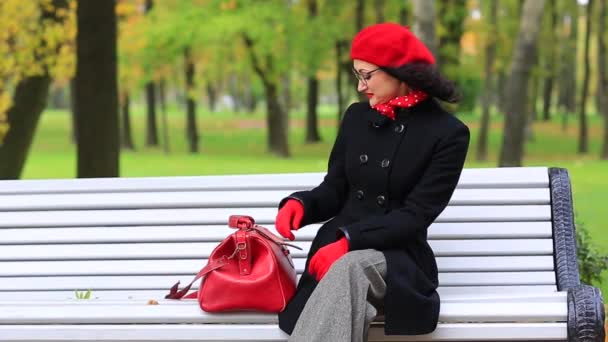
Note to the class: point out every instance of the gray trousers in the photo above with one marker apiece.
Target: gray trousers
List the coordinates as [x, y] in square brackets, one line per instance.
[346, 301]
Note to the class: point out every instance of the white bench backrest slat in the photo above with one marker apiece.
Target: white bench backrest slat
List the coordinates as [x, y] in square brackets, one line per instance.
[62, 218]
[232, 199]
[203, 250]
[185, 266]
[202, 233]
[530, 177]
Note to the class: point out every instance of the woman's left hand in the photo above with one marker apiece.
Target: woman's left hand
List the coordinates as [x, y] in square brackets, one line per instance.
[326, 256]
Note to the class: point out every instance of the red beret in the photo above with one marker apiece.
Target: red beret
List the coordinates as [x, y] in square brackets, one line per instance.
[389, 45]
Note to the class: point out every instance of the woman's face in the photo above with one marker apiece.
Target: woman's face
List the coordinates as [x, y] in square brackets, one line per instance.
[379, 86]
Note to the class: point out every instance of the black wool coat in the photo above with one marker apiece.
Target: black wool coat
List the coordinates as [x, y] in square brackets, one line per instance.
[386, 183]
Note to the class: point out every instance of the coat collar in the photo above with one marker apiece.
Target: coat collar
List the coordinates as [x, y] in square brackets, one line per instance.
[377, 120]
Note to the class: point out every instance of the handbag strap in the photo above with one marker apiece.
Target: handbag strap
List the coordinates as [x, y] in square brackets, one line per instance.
[212, 266]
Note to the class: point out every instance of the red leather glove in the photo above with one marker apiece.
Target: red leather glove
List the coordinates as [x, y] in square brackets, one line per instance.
[289, 217]
[326, 256]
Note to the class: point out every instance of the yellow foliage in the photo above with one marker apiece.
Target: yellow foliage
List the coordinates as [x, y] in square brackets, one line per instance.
[31, 45]
[228, 5]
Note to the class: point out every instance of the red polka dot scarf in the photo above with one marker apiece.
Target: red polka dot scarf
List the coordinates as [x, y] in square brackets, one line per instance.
[411, 99]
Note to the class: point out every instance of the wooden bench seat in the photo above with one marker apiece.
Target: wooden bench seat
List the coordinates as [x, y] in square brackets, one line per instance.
[505, 251]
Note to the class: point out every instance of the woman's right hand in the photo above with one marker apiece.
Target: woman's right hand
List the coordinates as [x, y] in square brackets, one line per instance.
[289, 218]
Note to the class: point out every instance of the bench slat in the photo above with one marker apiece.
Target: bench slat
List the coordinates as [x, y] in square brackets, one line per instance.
[271, 332]
[166, 281]
[506, 213]
[202, 250]
[99, 313]
[232, 199]
[512, 297]
[145, 295]
[156, 267]
[216, 233]
[536, 177]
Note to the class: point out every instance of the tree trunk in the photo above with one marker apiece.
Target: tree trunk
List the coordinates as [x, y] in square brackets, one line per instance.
[379, 9]
[312, 132]
[424, 23]
[73, 109]
[359, 15]
[339, 91]
[212, 95]
[405, 14]
[58, 98]
[126, 137]
[583, 140]
[517, 86]
[152, 128]
[276, 120]
[163, 108]
[347, 64]
[550, 66]
[452, 15]
[276, 117]
[567, 79]
[482, 145]
[602, 88]
[312, 98]
[96, 89]
[286, 90]
[191, 128]
[28, 103]
[501, 86]
[531, 112]
[249, 98]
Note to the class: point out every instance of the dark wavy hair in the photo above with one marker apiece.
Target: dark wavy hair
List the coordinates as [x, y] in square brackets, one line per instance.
[426, 77]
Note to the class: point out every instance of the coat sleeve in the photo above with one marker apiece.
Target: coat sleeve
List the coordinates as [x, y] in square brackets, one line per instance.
[325, 201]
[424, 203]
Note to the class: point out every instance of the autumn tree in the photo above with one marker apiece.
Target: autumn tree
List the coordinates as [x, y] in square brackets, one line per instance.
[35, 47]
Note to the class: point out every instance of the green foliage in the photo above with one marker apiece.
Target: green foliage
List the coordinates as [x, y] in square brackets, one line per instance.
[469, 86]
[82, 294]
[591, 262]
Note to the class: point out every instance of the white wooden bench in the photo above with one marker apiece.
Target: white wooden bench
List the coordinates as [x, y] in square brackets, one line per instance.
[505, 249]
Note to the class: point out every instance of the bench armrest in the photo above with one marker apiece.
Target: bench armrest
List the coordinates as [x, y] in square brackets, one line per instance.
[564, 235]
[585, 314]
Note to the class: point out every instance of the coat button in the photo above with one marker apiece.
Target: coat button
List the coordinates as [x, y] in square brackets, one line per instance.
[381, 200]
[399, 128]
[360, 195]
[385, 163]
[363, 158]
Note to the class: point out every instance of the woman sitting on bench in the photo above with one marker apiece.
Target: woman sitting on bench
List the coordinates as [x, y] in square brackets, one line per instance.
[392, 170]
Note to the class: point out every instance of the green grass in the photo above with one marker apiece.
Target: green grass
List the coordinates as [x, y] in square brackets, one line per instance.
[236, 143]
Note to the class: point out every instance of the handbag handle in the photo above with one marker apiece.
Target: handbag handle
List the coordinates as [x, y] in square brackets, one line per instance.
[241, 221]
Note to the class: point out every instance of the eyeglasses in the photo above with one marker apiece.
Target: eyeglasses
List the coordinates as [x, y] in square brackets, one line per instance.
[364, 76]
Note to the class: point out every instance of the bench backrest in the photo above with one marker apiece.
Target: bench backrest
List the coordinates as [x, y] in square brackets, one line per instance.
[135, 237]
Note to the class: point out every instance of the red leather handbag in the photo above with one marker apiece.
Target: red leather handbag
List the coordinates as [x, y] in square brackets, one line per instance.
[251, 270]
